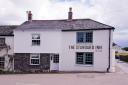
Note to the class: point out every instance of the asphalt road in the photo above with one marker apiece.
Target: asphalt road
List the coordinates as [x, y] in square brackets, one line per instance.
[120, 77]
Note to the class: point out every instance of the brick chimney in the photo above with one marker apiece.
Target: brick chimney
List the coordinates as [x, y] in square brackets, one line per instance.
[70, 14]
[29, 15]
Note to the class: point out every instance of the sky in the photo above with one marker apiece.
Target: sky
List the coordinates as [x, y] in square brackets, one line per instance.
[110, 12]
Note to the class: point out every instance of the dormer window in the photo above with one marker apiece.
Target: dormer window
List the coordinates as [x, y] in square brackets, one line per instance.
[35, 39]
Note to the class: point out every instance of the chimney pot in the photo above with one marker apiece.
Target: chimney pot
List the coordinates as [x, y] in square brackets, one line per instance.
[29, 15]
[70, 14]
[70, 9]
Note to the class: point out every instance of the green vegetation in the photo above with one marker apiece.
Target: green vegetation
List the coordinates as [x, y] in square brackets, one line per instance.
[122, 56]
[125, 48]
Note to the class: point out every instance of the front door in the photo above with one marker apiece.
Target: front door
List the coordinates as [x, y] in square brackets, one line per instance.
[54, 62]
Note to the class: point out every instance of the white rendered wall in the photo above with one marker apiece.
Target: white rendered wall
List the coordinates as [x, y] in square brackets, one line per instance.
[50, 41]
[58, 42]
[68, 56]
[112, 54]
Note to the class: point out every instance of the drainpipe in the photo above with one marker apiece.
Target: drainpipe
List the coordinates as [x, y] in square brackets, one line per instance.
[109, 52]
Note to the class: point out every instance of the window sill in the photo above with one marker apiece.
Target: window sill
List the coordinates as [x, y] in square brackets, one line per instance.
[35, 45]
[34, 64]
[84, 65]
[86, 43]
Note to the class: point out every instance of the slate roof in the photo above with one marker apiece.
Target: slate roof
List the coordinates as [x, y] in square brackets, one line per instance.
[64, 25]
[114, 44]
[7, 30]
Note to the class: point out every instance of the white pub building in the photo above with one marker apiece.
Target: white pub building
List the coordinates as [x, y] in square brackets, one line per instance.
[63, 45]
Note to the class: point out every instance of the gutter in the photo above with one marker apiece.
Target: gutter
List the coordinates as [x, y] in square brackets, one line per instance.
[66, 30]
[7, 35]
[109, 49]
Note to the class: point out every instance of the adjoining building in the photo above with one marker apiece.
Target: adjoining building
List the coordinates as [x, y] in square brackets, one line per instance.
[63, 45]
[7, 47]
[117, 48]
[119, 51]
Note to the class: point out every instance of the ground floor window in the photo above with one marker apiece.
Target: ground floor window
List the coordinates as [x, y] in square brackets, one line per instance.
[56, 58]
[2, 60]
[35, 59]
[84, 58]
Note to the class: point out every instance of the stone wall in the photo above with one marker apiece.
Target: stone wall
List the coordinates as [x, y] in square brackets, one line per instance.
[22, 62]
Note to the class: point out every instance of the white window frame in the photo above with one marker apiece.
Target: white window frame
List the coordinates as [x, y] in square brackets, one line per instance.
[85, 58]
[36, 39]
[84, 37]
[31, 57]
[56, 58]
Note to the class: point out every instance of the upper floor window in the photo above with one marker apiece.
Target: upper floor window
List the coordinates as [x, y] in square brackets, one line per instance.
[84, 37]
[35, 39]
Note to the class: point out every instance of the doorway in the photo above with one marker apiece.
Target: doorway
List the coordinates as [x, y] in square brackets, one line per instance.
[54, 62]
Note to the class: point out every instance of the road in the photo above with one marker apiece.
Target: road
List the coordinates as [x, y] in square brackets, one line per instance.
[120, 77]
[122, 65]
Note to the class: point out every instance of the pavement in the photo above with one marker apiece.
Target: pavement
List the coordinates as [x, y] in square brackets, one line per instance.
[120, 77]
[122, 65]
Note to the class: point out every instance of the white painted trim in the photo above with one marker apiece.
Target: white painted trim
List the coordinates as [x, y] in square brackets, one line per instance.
[36, 39]
[34, 58]
[84, 59]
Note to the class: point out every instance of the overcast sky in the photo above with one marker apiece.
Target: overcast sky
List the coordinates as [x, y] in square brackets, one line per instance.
[111, 12]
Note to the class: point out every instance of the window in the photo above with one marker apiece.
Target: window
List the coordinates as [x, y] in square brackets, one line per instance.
[35, 39]
[2, 41]
[84, 58]
[56, 58]
[2, 59]
[80, 58]
[88, 37]
[34, 59]
[84, 37]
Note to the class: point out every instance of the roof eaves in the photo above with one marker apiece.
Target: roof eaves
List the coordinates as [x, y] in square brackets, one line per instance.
[88, 29]
[7, 35]
[102, 23]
